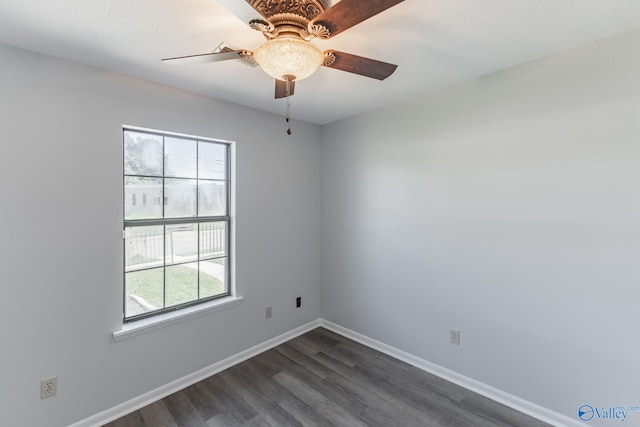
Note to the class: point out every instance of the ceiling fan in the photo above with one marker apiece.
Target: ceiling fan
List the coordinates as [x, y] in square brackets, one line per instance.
[289, 26]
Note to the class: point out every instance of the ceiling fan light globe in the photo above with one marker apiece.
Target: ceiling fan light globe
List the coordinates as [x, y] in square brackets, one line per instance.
[288, 57]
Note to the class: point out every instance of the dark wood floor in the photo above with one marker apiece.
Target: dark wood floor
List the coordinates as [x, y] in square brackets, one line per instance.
[324, 379]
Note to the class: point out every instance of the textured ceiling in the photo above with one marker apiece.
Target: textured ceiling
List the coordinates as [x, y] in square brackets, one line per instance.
[435, 43]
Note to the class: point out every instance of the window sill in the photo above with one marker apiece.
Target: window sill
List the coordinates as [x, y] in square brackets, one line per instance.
[160, 321]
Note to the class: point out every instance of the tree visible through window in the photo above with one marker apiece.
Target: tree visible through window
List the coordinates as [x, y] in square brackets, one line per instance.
[176, 252]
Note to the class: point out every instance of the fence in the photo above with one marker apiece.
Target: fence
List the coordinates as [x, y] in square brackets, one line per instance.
[147, 247]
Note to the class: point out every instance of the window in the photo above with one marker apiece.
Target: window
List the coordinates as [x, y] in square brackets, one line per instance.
[176, 252]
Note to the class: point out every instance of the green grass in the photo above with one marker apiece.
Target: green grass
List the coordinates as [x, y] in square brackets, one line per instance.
[181, 286]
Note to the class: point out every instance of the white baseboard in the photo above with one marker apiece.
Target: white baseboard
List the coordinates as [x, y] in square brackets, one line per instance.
[521, 405]
[524, 406]
[165, 390]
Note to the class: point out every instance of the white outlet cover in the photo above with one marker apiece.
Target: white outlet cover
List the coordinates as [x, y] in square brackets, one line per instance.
[48, 387]
[454, 336]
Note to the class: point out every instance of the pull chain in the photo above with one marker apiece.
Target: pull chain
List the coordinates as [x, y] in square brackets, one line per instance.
[288, 93]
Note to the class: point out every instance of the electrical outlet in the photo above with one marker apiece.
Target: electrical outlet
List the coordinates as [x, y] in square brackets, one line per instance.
[267, 312]
[298, 302]
[454, 336]
[48, 387]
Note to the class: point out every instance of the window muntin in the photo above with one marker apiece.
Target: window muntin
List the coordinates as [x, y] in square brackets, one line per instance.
[176, 247]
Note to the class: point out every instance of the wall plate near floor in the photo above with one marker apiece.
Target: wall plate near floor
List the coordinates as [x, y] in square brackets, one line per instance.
[267, 312]
[454, 336]
[48, 387]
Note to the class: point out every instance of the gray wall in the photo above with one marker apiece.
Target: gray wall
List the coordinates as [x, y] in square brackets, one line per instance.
[507, 207]
[61, 242]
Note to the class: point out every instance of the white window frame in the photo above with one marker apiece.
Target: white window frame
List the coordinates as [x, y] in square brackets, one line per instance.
[150, 320]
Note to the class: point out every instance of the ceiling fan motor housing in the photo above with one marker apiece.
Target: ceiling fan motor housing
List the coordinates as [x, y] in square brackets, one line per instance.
[289, 18]
[308, 9]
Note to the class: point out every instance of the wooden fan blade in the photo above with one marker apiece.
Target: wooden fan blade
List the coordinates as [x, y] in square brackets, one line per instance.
[347, 13]
[359, 65]
[204, 57]
[281, 88]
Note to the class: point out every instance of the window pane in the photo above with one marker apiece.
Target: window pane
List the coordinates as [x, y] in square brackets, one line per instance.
[212, 158]
[143, 291]
[174, 182]
[180, 198]
[213, 277]
[142, 154]
[180, 157]
[140, 195]
[181, 243]
[213, 239]
[143, 247]
[212, 198]
[182, 283]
